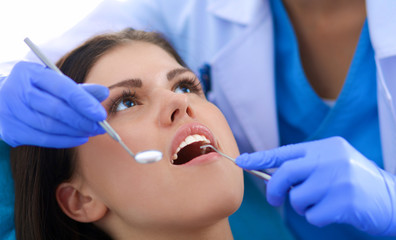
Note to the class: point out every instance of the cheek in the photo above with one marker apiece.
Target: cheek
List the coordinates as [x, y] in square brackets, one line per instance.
[110, 170]
[137, 131]
[102, 161]
[121, 183]
[216, 121]
[115, 179]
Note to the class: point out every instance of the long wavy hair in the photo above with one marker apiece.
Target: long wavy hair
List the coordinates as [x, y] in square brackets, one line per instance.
[38, 171]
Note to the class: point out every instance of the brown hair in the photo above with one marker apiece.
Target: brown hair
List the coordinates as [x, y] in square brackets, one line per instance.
[38, 171]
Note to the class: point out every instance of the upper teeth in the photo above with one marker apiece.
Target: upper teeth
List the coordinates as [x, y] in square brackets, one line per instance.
[190, 139]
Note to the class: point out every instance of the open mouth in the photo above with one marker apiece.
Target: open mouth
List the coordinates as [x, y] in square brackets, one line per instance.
[190, 148]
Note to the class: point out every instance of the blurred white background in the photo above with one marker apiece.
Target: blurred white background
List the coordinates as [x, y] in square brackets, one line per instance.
[40, 20]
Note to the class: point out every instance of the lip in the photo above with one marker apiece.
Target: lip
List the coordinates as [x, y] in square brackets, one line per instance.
[191, 129]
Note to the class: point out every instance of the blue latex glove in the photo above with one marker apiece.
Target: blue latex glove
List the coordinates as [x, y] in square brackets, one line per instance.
[332, 183]
[41, 107]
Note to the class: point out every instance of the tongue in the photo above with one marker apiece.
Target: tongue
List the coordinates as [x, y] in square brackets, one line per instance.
[188, 153]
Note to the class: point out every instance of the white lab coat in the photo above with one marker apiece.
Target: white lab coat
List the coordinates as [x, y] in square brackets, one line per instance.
[236, 38]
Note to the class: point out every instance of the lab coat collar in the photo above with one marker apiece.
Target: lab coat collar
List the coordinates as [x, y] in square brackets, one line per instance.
[381, 19]
[242, 12]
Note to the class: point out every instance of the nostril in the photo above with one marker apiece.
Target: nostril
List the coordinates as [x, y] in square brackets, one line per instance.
[174, 114]
[189, 112]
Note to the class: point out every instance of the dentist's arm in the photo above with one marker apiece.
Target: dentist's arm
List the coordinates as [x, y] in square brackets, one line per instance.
[41, 107]
[332, 183]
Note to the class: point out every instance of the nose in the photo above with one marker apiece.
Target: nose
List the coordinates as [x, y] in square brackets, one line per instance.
[174, 107]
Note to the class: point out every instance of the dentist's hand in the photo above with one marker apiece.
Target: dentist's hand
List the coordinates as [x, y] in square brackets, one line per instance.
[332, 183]
[41, 107]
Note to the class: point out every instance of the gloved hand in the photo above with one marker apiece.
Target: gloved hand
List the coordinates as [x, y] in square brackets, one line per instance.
[41, 107]
[328, 181]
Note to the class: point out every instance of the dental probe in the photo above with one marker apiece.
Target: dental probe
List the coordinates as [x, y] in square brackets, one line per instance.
[149, 156]
[259, 174]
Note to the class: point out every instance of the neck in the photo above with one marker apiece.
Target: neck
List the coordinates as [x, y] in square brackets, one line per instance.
[218, 231]
[322, 7]
[325, 17]
[328, 32]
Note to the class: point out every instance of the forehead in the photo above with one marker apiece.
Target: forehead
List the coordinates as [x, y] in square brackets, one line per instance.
[131, 60]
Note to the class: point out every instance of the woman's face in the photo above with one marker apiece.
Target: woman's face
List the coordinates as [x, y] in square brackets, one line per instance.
[155, 103]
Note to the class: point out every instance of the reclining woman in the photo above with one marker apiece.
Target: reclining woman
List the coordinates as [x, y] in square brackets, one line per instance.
[96, 190]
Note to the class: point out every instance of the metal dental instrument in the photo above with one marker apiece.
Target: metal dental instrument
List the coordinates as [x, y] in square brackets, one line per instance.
[259, 174]
[149, 156]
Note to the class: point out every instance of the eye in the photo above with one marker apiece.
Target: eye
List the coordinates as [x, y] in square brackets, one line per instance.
[188, 86]
[125, 103]
[126, 100]
[180, 89]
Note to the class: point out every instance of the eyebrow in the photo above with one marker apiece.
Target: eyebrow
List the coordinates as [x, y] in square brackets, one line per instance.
[137, 82]
[132, 83]
[175, 72]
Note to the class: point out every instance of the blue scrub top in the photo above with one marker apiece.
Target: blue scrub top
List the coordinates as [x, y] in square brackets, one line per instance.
[304, 116]
[7, 231]
[256, 219]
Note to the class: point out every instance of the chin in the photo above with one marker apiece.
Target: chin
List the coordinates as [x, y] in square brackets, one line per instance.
[222, 199]
[219, 210]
